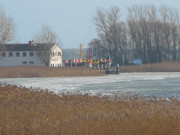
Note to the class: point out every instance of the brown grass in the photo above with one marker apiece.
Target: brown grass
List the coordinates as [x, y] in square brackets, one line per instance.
[158, 67]
[41, 71]
[27, 112]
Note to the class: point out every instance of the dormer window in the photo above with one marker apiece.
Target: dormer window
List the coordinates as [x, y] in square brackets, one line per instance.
[52, 53]
[59, 53]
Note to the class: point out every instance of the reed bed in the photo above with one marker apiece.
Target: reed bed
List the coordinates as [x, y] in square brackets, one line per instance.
[41, 112]
[167, 66]
[43, 71]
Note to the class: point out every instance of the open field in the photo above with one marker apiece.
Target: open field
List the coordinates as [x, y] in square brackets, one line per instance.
[25, 111]
[158, 67]
[42, 71]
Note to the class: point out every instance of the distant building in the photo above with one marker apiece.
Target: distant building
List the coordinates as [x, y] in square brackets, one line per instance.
[30, 54]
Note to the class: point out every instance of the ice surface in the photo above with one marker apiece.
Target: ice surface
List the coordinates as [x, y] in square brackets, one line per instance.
[143, 84]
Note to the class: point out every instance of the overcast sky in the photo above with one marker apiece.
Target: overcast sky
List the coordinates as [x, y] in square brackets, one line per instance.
[70, 19]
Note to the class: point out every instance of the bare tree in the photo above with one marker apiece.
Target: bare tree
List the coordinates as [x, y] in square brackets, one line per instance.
[111, 32]
[153, 32]
[45, 39]
[102, 25]
[97, 49]
[46, 35]
[150, 33]
[7, 28]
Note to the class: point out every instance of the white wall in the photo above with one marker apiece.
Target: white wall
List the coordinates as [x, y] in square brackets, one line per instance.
[8, 60]
[56, 58]
[19, 60]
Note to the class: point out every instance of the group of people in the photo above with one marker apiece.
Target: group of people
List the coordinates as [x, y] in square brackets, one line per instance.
[94, 63]
[72, 62]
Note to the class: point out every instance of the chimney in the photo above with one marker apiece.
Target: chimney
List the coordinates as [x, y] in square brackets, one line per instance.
[31, 42]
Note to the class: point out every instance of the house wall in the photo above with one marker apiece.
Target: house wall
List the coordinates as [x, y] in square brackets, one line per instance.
[10, 58]
[56, 57]
[13, 60]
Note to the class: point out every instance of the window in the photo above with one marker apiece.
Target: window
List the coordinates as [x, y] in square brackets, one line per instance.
[53, 53]
[31, 54]
[10, 54]
[17, 54]
[24, 54]
[59, 53]
[31, 62]
[4, 54]
[52, 65]
[24, 62]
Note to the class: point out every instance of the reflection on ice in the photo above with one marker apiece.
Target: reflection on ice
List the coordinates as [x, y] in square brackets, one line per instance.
[143, 84]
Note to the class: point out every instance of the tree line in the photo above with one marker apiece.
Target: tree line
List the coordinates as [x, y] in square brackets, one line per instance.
[149, 33]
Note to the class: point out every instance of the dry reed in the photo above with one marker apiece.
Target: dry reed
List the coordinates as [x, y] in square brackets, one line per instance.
[26, 111]
[166, 66]
[42, 71]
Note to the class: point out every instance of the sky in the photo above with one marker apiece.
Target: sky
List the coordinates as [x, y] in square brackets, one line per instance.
[71, 20]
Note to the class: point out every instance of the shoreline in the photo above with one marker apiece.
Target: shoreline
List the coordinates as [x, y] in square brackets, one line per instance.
[42, 71]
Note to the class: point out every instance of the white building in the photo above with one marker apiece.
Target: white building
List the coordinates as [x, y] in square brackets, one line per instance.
[30, 54]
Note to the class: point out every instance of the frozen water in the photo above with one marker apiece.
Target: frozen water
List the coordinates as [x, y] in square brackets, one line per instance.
[143, 84]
